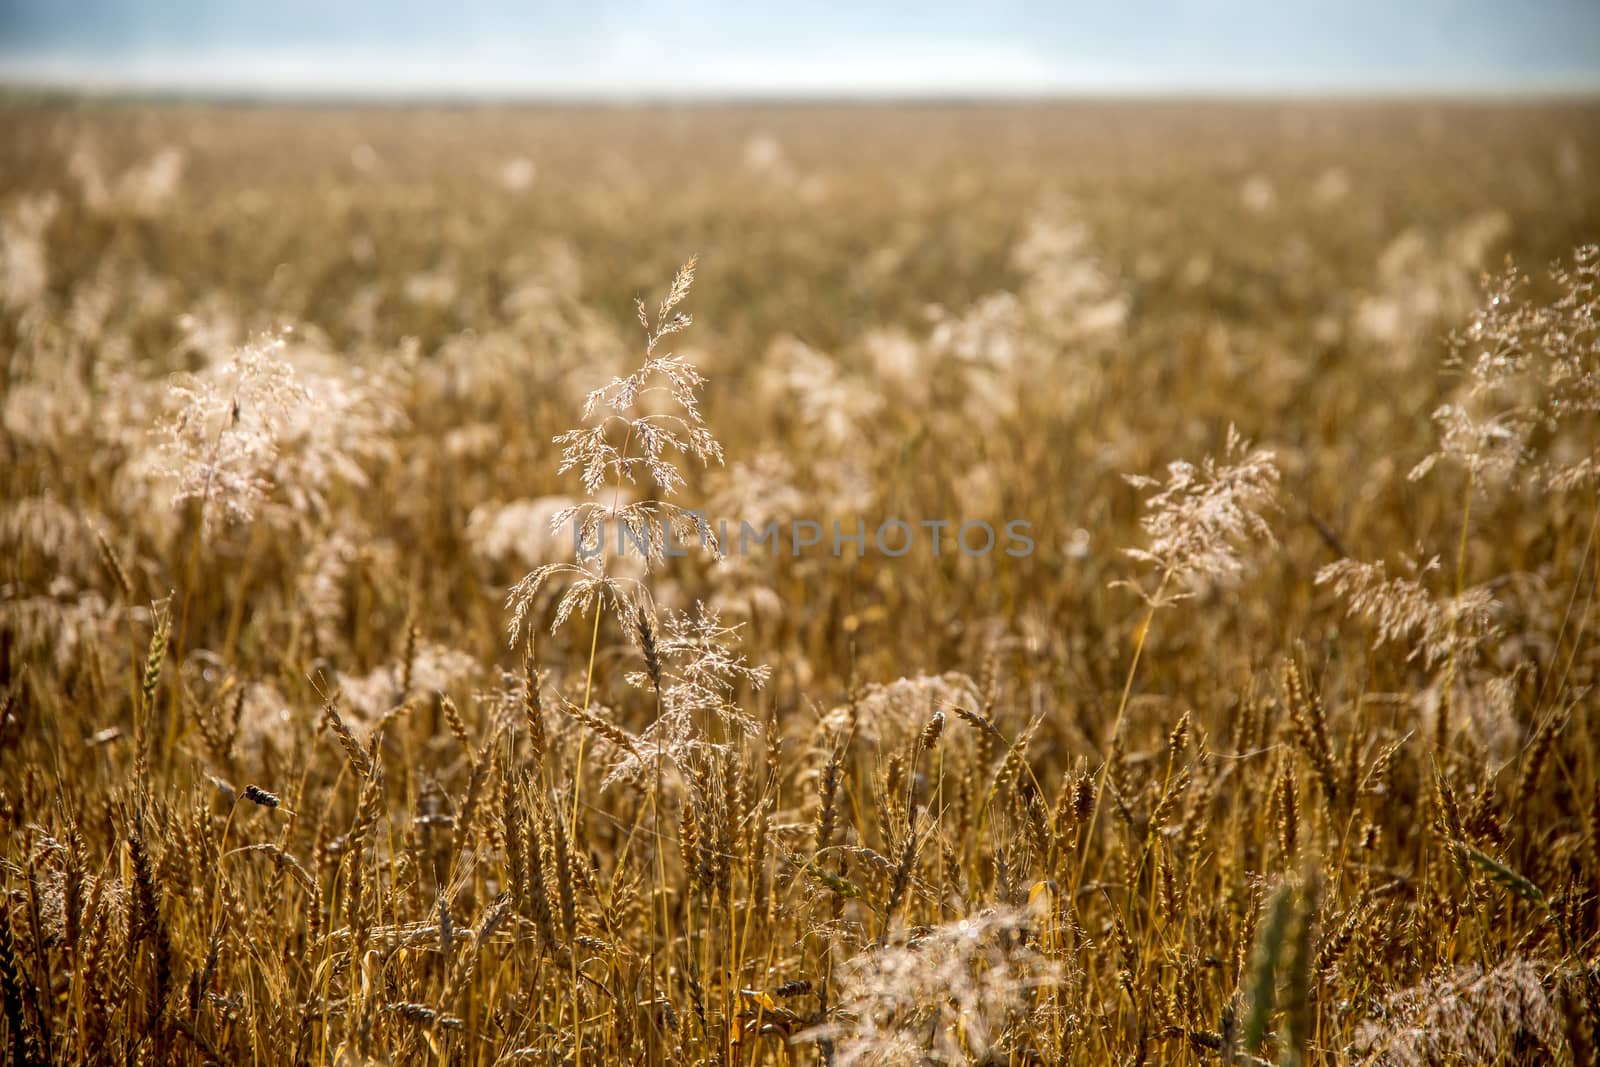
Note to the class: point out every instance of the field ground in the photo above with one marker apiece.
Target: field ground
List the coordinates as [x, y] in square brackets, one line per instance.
[1280, 746]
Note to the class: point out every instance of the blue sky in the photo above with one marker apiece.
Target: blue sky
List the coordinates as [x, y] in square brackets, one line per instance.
[804, 47]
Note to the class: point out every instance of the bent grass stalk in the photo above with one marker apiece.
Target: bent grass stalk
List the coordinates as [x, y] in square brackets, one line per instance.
[1116, 733]
[1447, 698]
[583, 735]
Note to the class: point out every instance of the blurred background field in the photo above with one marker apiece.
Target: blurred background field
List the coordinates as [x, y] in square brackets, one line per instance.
[1290, 268]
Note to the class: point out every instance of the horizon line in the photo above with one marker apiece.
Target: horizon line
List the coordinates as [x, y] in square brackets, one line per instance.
[1444, 92]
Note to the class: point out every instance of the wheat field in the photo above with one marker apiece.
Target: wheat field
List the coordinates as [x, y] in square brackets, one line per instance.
[384, 678]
